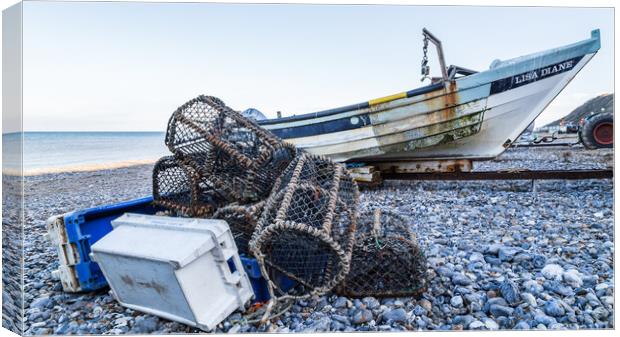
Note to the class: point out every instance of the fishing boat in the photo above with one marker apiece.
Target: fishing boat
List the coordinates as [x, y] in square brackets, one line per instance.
[463, 115]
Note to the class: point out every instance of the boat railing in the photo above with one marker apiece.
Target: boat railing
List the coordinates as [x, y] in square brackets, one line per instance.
[456, 70]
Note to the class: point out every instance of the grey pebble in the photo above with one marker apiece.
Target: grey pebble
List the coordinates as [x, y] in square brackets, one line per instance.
[323, 324]
[529, 299]
[143, 324]
[509, 291]
[544, 319]
[475, 325]
[456, 301]
[522, 325]
[507, 253]
[552, 272]
[490, 324]
[361, 316]
[554, 309]
[41, 302]
[572, 278]
[341, 302]
[500, 310]
[396, 315]
[371, 303]
[461, 280]
[600, 313]
[419, 311]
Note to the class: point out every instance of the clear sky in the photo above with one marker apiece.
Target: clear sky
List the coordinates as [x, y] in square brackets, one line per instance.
[128, 66]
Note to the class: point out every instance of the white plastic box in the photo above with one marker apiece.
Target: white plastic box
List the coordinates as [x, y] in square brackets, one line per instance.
[175, 268]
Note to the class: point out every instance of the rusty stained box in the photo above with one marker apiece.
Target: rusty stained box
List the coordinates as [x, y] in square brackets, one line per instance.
[182, 269]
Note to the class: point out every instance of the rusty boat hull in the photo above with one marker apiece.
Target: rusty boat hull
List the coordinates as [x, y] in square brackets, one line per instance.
[476, 116]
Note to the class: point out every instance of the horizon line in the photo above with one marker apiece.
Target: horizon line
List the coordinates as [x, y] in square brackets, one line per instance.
[82, 131]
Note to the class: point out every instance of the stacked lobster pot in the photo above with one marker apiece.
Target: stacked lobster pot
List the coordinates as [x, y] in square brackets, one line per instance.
[295, 212]
[221, 161]
[386, 259]
[306, 231]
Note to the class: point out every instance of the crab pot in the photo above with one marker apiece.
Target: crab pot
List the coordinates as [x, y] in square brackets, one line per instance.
[241, 159]
[178, 187]
[242, 220]
[306, 229]
[386, 260]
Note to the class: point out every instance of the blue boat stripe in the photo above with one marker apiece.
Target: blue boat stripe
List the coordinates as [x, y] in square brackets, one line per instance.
[359, 106]
[336, 125]
[516, 81]
[425, 90]
[329, 112]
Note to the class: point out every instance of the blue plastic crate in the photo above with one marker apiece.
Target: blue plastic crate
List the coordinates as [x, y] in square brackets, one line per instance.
[85, 227]
[259, 284]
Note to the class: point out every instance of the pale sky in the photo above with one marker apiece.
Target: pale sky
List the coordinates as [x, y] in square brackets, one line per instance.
[127, 66]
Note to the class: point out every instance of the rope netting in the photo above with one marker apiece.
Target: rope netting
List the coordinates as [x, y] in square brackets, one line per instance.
[178, 187]
[242, 220]
[386, 259]
[306, 229]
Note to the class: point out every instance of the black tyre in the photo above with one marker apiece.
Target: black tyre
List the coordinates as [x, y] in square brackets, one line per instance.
[598, 131]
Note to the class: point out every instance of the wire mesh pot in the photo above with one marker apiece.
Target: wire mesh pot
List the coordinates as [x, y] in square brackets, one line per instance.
[307, 227]
[242, 220]
[386, 260]
[178, 187]
[240, 158]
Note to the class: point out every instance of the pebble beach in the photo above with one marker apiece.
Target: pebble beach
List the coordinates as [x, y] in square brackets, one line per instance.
[501, 255]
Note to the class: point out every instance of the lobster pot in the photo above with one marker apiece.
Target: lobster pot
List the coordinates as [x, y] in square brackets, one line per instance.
[242, 220]
[386, 260]
[241, 159]
[306, 229]
[178, 187]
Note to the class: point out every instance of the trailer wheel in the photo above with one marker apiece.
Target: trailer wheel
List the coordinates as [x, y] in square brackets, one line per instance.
[598, 131]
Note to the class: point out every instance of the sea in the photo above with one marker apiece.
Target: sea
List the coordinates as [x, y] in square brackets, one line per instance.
[54, 152]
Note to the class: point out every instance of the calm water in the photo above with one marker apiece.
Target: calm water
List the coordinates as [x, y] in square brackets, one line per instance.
[67, 151]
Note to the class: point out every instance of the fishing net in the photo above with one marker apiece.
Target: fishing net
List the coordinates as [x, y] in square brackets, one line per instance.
[178, 187]
[242, 220]
[240, 159]
[307, 227]
[386, 260]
